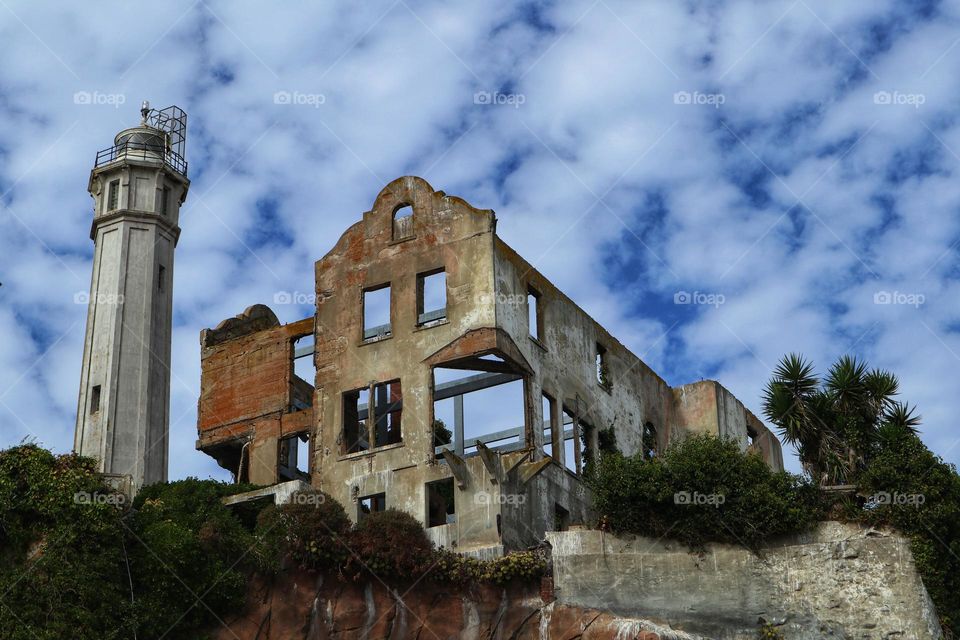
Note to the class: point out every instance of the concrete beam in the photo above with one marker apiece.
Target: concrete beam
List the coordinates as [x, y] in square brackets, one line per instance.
[458, 467]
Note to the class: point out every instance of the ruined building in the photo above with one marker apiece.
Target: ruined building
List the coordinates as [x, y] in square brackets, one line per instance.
[123, 413]
[428, 329]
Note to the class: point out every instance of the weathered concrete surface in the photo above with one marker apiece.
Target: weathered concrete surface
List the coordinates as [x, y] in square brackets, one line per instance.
[249, 392]
[841, 581]
[124, 399]
[308, 606]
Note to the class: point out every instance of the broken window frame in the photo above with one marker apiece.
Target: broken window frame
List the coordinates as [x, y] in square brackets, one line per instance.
[382, 331]
[503, 440]
[426, 316]
[550, 428]
[574, 466]
[384, 430]
[288, 448]
[451, 502]
[536, 309]
[378, 503]
[603, 367]
[401, 227]
[297, 403]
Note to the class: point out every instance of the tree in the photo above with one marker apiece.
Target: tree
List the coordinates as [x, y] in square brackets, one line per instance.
[836, 424]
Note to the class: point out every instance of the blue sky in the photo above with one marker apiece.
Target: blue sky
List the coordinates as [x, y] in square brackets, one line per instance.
[792, 163]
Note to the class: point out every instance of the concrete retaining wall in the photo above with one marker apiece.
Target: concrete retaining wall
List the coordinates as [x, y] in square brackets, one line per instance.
[840, 581]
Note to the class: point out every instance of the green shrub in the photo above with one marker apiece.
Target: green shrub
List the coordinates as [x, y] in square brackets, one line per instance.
[187, 545]
[310, 530]
[919, 494]
[62, 567]
[702, 489]
[518, 566]
[389, 544]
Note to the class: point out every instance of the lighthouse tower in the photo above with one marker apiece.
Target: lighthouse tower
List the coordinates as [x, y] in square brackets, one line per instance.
[138, 186]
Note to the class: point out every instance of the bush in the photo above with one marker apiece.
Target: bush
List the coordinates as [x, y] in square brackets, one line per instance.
[702, 489]
[389, 544]
[924, 503]
[61, 555]
[186, 544]
[310, 530]
[519, 566]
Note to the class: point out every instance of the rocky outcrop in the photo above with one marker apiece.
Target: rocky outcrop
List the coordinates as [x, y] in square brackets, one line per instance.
[303, 605]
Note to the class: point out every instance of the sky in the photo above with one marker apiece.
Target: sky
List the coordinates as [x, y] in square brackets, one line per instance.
[717, 183]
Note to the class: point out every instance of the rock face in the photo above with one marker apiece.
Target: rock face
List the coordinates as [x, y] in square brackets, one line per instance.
[308, 606]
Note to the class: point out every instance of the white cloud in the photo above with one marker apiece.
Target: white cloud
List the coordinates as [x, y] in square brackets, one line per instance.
[689, 196]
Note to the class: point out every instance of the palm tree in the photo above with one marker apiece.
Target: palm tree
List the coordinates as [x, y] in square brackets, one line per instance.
[838, 423]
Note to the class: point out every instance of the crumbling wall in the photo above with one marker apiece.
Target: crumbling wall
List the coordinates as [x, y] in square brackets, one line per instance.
[444, 232]
[708, 407]
[248, 391]
[840, 581]
[564, 358]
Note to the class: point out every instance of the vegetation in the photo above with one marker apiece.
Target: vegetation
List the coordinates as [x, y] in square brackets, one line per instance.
[310, 531]
[77, 561]
[835, 424]
[913, 490]
[849, 429]
[702, 489]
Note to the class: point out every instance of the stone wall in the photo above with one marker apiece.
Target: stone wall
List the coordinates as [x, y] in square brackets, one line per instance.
[840, 581]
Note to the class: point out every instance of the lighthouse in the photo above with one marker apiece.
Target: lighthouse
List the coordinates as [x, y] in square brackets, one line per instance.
[123, 413]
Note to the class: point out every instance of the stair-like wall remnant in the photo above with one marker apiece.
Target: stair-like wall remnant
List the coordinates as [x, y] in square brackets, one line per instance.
[838, 581]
